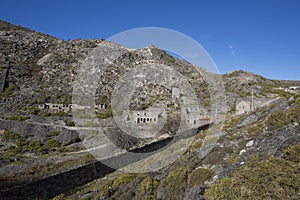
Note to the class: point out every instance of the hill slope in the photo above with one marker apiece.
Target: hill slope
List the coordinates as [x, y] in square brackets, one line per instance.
[35, 143]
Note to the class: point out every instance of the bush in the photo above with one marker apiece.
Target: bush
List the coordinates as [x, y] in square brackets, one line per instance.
[8, 135]
[243, 94]
[254, 129]
[281, 93]
[276, 120]
[70, 123]
[52, 133]
[195, 145]
[122, 180]
[231, 122]
[17, 149]
[271, 178]
[22, 142]
[72, 141]
[292, 153]
[148, 186]
[230, 159]
[175, 182]
[34, 146]
[16, 118]
[46, 114]
[106, 114]
[199, 176]
[293, 114]
[51, 144]
[105, 189]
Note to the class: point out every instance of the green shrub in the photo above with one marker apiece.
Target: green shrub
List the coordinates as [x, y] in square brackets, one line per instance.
[52, 133]
[72, 141]
[22, 142]
[254, 129]
[34, 146]
[17, 149]
[10, 135]
[9, 91]
[33, 111]
[104, 190]
[122, 180]
[17, 118]
[59, 197]
[176, 182]
[219, 190]
[230, 159]
[51, 144]
[293, 114]
[243, 94]
[195, 145]
[43, 150]
[297, 100]
[276, 120]
[70, 123]
[231, 122]
[59, 114]
[199, 176]
[46, 114]
[292, 153]
[102, 99]
[281, 93]
[148, 186]
[271, 178]
[106, 114]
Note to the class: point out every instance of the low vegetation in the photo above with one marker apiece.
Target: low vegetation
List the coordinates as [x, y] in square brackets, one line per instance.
[175, 182]
[261, 178]
[104, 115]
[20, 144]
[279, 118]
[59, 114]
[199, 176]
[148, 187]
[17, 118]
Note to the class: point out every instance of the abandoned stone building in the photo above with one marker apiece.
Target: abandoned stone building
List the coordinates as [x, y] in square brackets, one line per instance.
[243, 107]
[147, 116]
[55, 107]
[100, 106]
[67, 108]
[193, 115]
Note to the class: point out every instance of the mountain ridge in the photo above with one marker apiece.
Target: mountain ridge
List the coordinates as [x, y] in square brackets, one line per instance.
[37, 141]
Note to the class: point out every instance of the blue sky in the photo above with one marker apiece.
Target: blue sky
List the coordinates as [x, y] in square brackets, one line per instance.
[258, 36]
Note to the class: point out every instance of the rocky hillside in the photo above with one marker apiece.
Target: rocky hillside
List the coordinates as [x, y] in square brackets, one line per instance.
[256, 155]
